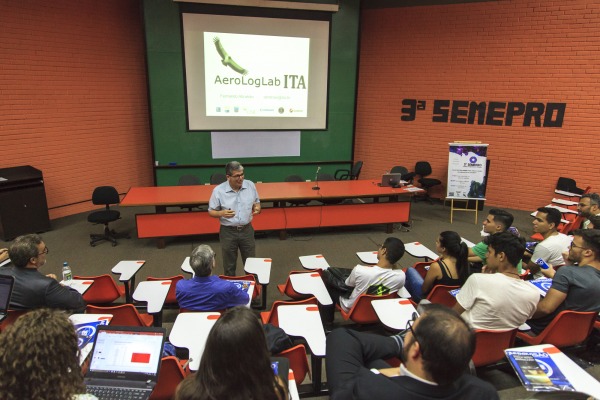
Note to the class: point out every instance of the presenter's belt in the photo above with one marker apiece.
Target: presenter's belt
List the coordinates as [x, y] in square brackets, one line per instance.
[235, 227]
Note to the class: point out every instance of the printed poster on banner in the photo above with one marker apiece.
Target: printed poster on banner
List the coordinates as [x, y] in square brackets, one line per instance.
[467, 178]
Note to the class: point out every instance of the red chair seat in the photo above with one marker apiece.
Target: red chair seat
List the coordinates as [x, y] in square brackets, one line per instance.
[568, 328]
[298, 362]
[171, 298]
[362, 311]
[491, 345]
[104, 290]
[271, 317]
[123, 315]
[440, 295]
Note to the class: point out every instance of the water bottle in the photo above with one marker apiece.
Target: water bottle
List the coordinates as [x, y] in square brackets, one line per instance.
[66, 273]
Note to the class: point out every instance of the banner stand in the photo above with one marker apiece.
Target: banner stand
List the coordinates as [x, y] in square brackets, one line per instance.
[452, 208]
[467, 175]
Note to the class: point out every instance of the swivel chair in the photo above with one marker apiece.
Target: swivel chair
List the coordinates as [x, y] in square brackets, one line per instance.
[403, 171]
[105, 195]
[296, 178]
[568, 185]
[217, 179]
[324, 177]
[349, 174]
[188, 180]
[423, 169]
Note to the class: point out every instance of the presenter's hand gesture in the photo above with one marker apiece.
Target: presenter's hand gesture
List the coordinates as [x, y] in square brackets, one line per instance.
[256, 208]
[228, 213]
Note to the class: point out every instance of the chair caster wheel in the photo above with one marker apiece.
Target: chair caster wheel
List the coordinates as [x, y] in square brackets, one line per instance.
[92, 244]
[114, 244]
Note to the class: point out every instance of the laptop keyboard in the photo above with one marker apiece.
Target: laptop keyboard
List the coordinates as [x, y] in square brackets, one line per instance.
[116, 393]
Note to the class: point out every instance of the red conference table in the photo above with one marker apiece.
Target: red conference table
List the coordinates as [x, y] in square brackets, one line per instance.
[163, 224]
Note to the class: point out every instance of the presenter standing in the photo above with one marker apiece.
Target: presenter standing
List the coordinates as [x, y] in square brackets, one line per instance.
[235, 202]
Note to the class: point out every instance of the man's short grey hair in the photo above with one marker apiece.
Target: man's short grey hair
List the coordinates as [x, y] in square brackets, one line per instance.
[201, 260]
[594, 198]
[24, 248]
[233, 166]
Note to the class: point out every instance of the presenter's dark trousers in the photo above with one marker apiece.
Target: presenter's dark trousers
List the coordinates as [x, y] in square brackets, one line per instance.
[348, 351]
[233, 238]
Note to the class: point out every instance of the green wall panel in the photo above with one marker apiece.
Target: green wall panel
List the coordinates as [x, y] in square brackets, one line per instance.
[191, 151]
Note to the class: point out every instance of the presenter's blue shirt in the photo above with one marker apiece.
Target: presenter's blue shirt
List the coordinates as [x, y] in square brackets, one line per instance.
[209, 293]
[224, 197]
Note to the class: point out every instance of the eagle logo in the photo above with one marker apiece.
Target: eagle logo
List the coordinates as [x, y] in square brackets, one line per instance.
[226, 60]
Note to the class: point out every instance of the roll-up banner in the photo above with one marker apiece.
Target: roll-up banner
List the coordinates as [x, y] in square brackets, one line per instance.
[467, 177]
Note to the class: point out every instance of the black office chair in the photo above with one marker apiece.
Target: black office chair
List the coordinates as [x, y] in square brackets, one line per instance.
[403, 171]
[296, 178]
[323, 177]
[423, 169]
[188, 180]
[349, 174]
[217, 179]
[568, 185]
[105, 195]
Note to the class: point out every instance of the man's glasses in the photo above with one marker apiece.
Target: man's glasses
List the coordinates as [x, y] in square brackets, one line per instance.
[410, 323]
[237, 176]
[45, 251]
[409, 326]
[580, 247]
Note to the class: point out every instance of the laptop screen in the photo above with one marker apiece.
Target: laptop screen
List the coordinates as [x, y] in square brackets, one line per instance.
[127, 351]
[6, 285]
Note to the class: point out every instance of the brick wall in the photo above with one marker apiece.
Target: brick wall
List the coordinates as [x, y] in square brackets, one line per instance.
[73, 98]
[514, 50]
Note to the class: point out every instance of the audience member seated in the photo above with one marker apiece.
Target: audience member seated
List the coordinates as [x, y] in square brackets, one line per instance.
[32, 289]
[594, 222]
[498, 299]
[435, 355]
[39, 358]
[235, 363]
[574, 288]
[554, 244]
[451, 269]
[589, 206]
[381, 278]
[497, 221]
[207, 292]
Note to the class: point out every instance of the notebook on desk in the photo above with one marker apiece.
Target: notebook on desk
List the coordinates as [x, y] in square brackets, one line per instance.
[6, 287]
[125, 359]
[392, 180]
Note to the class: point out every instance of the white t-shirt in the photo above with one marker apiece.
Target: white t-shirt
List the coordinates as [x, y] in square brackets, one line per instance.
[551, 249]
[362, 278]
[497, 302]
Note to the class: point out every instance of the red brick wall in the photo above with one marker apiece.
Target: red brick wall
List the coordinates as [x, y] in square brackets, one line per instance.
[73, 98]
[514, 50]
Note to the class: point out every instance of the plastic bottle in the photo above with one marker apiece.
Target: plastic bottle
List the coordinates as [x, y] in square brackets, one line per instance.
[66, 273]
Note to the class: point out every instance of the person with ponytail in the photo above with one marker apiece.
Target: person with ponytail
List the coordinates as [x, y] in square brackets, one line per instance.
[451, 269]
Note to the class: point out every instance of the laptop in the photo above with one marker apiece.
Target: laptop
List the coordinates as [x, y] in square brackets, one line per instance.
[392, 180]
[125, 362]
[6, 286]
